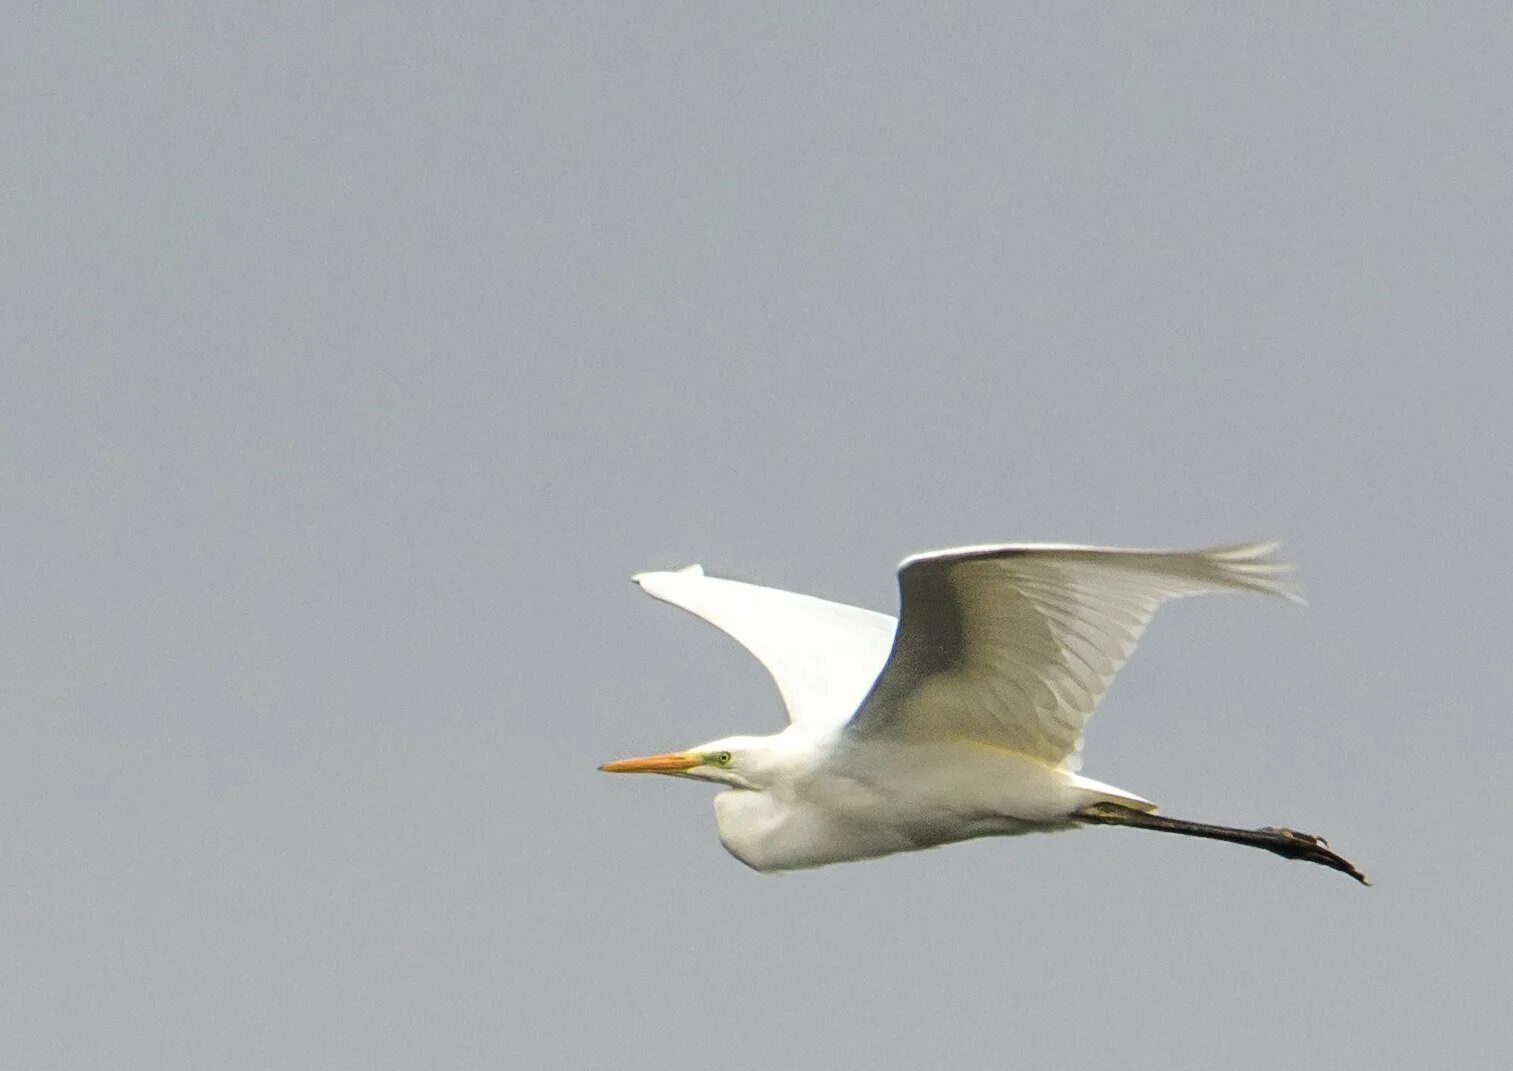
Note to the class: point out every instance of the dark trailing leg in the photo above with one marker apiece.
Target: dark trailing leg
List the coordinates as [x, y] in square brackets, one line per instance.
[1287, 843]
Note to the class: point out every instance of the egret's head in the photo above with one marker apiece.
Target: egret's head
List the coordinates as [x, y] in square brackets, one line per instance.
[738, 761]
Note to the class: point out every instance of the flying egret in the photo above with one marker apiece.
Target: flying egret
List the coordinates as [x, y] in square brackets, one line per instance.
[962, 719]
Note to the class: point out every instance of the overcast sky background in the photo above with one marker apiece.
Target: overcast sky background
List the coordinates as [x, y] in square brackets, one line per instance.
[353, 358]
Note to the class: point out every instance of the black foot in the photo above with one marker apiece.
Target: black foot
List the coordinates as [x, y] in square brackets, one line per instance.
[1290, 844]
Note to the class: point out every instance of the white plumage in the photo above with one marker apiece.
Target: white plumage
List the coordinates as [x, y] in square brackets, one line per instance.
[962, 719]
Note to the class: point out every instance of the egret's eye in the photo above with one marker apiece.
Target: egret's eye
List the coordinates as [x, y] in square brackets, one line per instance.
[722, 758]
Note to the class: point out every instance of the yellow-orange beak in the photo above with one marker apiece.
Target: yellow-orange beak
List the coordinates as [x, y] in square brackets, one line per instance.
[674, 762]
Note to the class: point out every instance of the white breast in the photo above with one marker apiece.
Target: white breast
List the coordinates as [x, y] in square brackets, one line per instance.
[767, 834]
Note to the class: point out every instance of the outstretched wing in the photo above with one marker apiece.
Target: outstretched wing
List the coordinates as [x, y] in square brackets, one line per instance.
[1015, 645]
[824, 656]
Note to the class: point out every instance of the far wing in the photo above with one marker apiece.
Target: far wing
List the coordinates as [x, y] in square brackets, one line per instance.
[824, 656]
[1015, 645]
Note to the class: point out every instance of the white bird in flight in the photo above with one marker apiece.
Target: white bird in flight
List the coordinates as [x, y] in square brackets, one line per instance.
[963, 718]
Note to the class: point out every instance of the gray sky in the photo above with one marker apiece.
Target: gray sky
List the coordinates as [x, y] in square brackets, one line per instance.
[353, 359]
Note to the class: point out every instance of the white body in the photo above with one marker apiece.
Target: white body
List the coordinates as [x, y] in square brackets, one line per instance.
[964, 719]
[835, 802]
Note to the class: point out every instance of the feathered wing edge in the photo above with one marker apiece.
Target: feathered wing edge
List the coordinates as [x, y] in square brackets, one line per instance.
[1254, 567]
[1248, 566]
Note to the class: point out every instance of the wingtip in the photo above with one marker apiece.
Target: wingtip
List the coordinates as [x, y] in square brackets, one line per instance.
[1257, 567]
[640, 579]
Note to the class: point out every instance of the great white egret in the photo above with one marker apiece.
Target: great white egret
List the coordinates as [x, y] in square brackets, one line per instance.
[962, 719]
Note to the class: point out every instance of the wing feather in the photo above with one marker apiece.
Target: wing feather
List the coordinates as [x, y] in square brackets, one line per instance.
[1015, 645]
[823, 656]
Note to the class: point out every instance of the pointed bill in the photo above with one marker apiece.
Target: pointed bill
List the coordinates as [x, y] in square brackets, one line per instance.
[671, 763]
